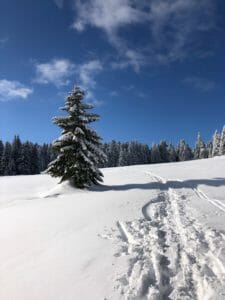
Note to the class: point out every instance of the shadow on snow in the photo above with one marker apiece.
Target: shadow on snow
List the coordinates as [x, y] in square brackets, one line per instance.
[193, 183]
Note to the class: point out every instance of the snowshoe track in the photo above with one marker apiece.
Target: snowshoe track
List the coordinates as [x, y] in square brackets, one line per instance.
[171, 256]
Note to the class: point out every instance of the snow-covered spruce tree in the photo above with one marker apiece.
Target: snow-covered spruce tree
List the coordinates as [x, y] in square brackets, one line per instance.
[172, 153]
[163, 150]
[200, 150]
[210, 149]
[16, 155]
[7, 163]
[222, 142]
[1, 153]
[79, 148]
[184, 151]
[124, 155]
[113, 153]
[155, 154]
[216, 144]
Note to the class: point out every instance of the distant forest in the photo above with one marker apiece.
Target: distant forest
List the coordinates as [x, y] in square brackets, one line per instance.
[18, 158]
[27, 158]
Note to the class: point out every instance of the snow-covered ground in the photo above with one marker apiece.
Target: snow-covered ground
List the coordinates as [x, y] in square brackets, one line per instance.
[151, 232]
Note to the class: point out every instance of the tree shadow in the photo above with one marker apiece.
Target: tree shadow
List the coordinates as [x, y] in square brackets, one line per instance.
[193, 183]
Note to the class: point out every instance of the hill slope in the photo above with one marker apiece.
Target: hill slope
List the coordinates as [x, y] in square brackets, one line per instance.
[151, 232]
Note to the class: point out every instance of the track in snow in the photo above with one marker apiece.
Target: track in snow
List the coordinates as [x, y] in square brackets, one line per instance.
[217, 203]
[214, 202]
[171, 256]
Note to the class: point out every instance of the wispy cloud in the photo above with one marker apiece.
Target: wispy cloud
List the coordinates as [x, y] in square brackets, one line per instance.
[177, 27]
[10, 90]
[113, 94]
[130, 58]
[173, 25]
[3, 41]
[59, 3]
[108, 15]
[130, 87]
[141, 95]
[56, 71]
[199, 83]
[86, 73]
[61, 71]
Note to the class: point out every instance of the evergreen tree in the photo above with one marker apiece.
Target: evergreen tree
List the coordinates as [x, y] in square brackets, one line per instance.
[163, 150]
[216, 144]
[124, 155]
[222, 142]
[34, 160]
[52, 154]
[16, 155]
[210, 149]
[155, 154]
[44, 157]
[25, 165]
[113, 152]
[106, 163]
[79, 147]
[134, 153]
[172, 153]
[184, 151]
[200, 150]
[7, 164]
[1, 154]
[145, 154]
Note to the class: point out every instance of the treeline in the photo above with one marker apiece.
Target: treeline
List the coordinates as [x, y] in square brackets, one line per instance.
[132, 153]
[27, 158]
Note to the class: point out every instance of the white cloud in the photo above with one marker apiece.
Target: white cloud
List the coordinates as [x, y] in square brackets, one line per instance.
[10, 90]
[199, 83]
[174, 26]
[108, 15]
[177, 26]
[57, 72]
[131, 58]
[60, 71]
[86, 73]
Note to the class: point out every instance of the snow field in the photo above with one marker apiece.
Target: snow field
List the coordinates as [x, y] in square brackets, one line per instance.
[150, 232]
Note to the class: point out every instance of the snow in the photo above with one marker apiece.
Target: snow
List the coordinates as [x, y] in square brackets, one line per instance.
[150, 232]
[65, 137]
[78, 130]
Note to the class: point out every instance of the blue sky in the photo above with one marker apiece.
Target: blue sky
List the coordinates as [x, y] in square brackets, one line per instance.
[153, 69]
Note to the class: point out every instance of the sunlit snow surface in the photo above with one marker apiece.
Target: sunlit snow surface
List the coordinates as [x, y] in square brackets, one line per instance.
[150, 232]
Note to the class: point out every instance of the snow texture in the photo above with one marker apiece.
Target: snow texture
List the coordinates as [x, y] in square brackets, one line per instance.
[150, 232]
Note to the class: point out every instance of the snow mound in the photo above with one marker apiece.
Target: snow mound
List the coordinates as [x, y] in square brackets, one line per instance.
[59, 190]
